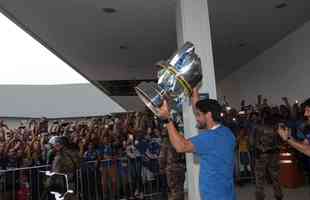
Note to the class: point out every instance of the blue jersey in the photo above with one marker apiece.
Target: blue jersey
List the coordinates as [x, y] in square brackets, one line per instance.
[154, 147]
[142, 146]
[100, 150]
[105, 151]
[216, 149]
[90, 155]
[108, 150]
[150, 158]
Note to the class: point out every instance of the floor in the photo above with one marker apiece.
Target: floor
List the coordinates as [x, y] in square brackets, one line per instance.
[248, 193]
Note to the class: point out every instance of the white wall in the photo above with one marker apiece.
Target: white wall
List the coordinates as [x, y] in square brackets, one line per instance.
[13, 123]
[55, 101]
[283, 70]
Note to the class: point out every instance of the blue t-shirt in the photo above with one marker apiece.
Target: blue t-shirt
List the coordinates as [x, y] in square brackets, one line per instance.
[100, 150]
[151, 155]
[154, 147]
[142, 145]
[107, 152]
[216, 149]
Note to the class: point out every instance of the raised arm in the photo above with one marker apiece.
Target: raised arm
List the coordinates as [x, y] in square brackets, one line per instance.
[286, 102]
[177, 140]
[288, 105]
[300, 146]
[195, 99]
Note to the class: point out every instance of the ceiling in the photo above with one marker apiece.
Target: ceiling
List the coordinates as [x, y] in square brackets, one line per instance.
[123, 87]
[123, 46]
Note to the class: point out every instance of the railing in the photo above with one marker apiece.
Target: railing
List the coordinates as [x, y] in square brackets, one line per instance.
[110, 179]
[21, 183]
[244, 168]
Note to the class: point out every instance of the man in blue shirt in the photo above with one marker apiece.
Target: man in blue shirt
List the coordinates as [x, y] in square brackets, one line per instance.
[215, 145]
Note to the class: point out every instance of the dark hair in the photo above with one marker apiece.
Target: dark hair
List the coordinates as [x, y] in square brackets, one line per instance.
[212, 106]
[306, 103]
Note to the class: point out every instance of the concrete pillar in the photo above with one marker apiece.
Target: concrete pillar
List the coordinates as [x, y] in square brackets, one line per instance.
[193, 25]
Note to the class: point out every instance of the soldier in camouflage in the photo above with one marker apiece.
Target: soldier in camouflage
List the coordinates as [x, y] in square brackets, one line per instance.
[67, 161]
[267, 157]
[173, 165]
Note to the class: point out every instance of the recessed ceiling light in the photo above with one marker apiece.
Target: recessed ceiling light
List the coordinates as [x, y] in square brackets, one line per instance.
[281, 5]
[109, 10]
[123, 47]
[242, 44]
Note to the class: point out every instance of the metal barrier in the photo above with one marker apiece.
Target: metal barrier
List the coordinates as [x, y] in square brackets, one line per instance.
[245, 171]
[22, 183]
[121, 178]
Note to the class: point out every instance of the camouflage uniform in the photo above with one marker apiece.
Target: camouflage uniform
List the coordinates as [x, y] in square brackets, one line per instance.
[173, 164]
[67, 162]
[267, 161]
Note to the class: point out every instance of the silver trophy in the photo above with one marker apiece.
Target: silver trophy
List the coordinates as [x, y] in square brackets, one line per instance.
[176, 79]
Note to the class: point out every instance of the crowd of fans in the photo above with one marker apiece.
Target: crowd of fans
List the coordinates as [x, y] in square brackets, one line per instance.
[116, 146]
[131, 134]
[244, 123]
[125, 138]
[95, 138]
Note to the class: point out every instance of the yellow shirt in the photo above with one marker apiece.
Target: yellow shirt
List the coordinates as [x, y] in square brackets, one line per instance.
[243, 144]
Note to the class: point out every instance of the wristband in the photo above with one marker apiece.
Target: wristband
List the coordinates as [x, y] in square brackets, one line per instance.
[166, 121]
